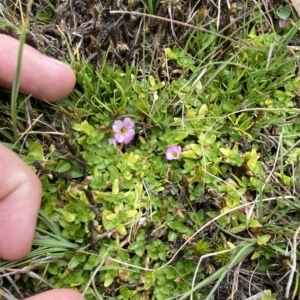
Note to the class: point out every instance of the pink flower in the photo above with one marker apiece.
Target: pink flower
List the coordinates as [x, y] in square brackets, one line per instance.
[173, 152]
[124, 131]
[282, 23]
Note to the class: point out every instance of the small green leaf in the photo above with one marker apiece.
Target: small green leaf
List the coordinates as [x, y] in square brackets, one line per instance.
[75, 173]
[87, 128]
[251, 158]
[294, 155]
[254, 224]
[181, 136]
[189, 154]
[130, 213]
[63, 166]
[115, 187]
[197, 149]
[107, 225]
[255, 255]
[45, 15]
[152, 81]
[225, 152]
[263, 240]
[283, 12]
[108, 281]
[69, 217]
[112, 217]
[77, 127]
[92, 262]
[73, 263]
[202, 111]
[121, 229]
[170, 54]
[269, 296]
[238, 229]
[198, 85]
[132, 158]
[207, 139]
[35, 152]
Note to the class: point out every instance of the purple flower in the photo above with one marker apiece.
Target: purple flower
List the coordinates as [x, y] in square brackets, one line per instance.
[173, 152]
[124, 131]
[282, 23]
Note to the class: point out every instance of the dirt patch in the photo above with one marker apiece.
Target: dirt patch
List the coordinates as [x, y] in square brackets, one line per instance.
[91, 31]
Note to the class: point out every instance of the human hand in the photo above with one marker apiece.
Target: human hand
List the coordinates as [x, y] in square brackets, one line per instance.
[20, 192]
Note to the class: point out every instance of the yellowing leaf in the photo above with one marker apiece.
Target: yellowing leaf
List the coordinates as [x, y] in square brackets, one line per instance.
[238, 229]
[105, 221]
[127, 175]
[202, 110]
[112, 217]
[252, 158]
[99, 196]
[254, 224]
[87, 128]
[35, 152]
[68, 216]
[77, 127]
[225, 152]
[138, 189]
[197, 149]
[232, 183]
[198, 85]
[189, 154]
[285, 179]
[206, 139]
[121, 229]
[108, 281]
[130, 213]
[115, 187]
[255, 255]
[170, 53]
[181, 136]
[190, 113]
[263, 240]
[152, 81]
[230, 245]
[294, 154]
[132, 158]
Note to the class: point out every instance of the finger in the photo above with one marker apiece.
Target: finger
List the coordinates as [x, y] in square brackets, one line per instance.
[41, 76]
[20, 197]
[62, 294]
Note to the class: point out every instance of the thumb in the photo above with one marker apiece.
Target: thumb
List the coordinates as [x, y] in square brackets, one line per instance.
[20, 197]
[62, 294]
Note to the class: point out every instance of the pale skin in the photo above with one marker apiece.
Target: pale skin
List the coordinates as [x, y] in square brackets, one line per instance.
[20, 192]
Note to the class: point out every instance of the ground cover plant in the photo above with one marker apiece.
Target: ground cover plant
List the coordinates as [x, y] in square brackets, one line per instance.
[172, 170]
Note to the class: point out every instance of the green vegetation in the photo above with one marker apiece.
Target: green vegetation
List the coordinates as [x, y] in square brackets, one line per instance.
[123, 222]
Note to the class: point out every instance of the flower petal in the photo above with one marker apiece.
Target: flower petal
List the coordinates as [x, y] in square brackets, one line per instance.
[118, 125]
[128, 136]
[177, 149]
[282, 23]
[169, 155]
[119, 137]
[128, 123]
[173, 152]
